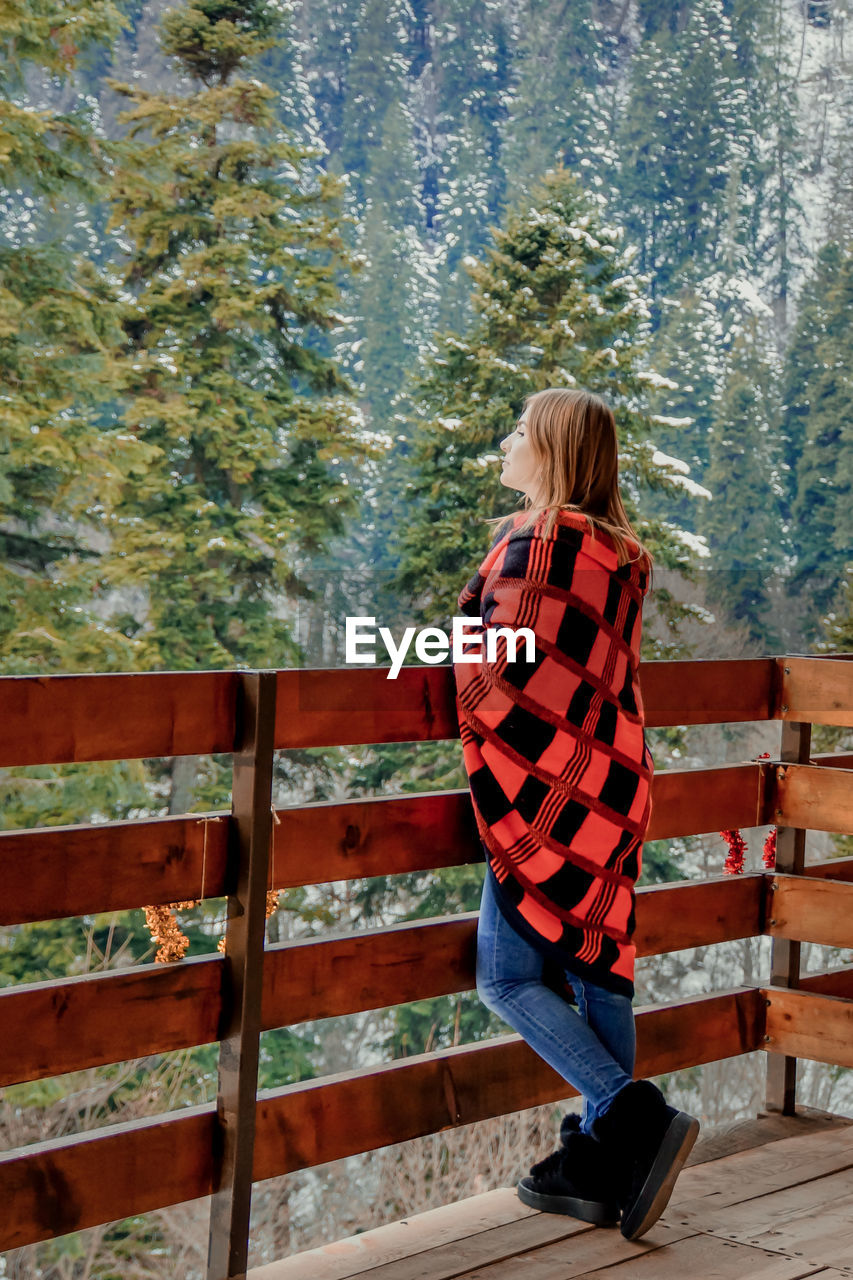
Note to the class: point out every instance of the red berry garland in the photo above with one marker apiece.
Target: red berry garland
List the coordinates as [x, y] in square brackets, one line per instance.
[733, 865]
[769, 853]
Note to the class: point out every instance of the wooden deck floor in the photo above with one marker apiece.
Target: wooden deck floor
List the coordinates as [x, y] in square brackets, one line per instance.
[770, 1199]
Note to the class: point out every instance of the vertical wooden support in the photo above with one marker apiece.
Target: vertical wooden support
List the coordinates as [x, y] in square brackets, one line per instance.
[781, 1085]
[243, 978]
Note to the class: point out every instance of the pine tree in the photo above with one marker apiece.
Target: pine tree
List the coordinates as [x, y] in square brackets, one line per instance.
[702, 318]
[63, 461]
[663, 15]
[681, 137]
[686, 349]
[784, 169]
[376, 85]
[555, 304]
[324, 35]
[717, 335]
[59, 339]
[812, 323]
[742, 523]
[470, 74]
[379, 156]
[820, 376]
[561, 107]
[838, 220]
[234, 264]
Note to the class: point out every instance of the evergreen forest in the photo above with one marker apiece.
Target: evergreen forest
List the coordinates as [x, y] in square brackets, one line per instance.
[275, 280]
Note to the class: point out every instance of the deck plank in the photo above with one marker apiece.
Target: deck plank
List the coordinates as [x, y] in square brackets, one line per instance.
[764, 1204]
[788, 1162]
[768, 1126]
[826, 1237]
[432, 1231]
[506, 1247]
[759, 1212]
[706, 1258]
[812, 1219]
[581, 1255]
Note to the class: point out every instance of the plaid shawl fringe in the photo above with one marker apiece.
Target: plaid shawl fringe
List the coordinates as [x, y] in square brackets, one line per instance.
[554, 748]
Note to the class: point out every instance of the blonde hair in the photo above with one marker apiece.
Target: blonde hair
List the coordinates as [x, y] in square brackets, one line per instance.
[573, 434]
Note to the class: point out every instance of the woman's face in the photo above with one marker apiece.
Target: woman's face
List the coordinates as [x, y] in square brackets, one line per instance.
[520, 467]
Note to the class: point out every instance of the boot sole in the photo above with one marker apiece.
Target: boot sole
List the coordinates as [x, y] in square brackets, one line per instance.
[599, 1212]
[658, 1187]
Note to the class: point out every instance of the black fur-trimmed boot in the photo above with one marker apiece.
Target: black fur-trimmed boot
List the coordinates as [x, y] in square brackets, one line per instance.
[646, 1143]
[575, 1180]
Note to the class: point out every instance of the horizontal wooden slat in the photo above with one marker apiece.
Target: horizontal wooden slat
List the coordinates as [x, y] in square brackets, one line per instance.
[833, 869]
[673, 917]
[341, 706]
[51, 1188]
[689, 802]
[49, 873]
[811, 910]
[78, 1182]
[50, 1028]
[62, 719]
[817, 689]
[710, 691]
[831, 982]
[373, 969]
[311, 1123]
[816, 797]
[840, 759]
[318, 843]
[803, 1024]
[700, 1029]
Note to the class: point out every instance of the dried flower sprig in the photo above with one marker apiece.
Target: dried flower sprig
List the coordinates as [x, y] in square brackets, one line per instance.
[163, 924]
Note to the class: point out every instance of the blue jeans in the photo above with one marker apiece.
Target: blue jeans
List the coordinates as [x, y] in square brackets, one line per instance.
[592, 1047]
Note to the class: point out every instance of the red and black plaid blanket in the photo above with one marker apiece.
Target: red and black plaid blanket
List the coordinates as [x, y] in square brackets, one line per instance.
[554, 748]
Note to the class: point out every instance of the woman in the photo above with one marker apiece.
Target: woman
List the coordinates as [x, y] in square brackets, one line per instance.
[560, 780]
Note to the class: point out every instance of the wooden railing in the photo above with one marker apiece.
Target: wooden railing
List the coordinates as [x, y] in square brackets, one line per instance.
[50, 1188]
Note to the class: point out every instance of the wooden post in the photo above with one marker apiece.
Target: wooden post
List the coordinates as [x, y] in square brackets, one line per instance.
[781, 1085]
[242, 978]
